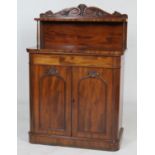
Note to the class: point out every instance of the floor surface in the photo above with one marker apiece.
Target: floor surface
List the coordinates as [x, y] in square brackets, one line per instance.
[128, 146]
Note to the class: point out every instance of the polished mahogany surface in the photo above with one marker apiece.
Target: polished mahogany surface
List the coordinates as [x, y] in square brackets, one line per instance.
[76, 78]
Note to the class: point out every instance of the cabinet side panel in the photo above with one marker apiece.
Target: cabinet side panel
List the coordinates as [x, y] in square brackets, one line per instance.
[121, 92]
[125, 35]
[117, 102]
[41, 35]
[34, 100]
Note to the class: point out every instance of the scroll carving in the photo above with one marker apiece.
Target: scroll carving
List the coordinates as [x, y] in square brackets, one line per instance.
[93, 74]
[81, 11]
[53, 71]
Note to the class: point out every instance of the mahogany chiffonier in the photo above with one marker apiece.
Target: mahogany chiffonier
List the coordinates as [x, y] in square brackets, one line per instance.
[76, 75]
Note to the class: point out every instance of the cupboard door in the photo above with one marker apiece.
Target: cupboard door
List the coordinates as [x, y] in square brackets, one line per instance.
[92, 102]
[52, 109]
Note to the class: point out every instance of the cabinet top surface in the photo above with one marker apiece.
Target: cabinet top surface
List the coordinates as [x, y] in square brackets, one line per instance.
[71, 50]
[82, 13]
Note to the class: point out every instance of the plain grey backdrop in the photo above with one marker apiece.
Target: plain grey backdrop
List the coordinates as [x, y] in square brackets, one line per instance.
[27, 10]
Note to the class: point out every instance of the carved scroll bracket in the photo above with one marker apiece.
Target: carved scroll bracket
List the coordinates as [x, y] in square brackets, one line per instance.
[53, 71]
[93, 74]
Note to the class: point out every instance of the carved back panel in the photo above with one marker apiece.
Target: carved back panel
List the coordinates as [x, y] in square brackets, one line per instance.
[105, 36]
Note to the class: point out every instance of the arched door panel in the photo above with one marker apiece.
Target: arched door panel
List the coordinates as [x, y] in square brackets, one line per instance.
[92, 100]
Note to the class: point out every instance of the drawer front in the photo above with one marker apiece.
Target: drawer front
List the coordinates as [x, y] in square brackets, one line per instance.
[68, 60]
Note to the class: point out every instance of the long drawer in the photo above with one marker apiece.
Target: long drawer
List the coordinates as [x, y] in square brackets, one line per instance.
[78, 60]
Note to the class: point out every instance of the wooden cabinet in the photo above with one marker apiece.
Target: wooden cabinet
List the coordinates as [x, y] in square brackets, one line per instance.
[75, 78]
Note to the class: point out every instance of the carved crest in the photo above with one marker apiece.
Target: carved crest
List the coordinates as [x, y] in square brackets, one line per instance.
[81, 11]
